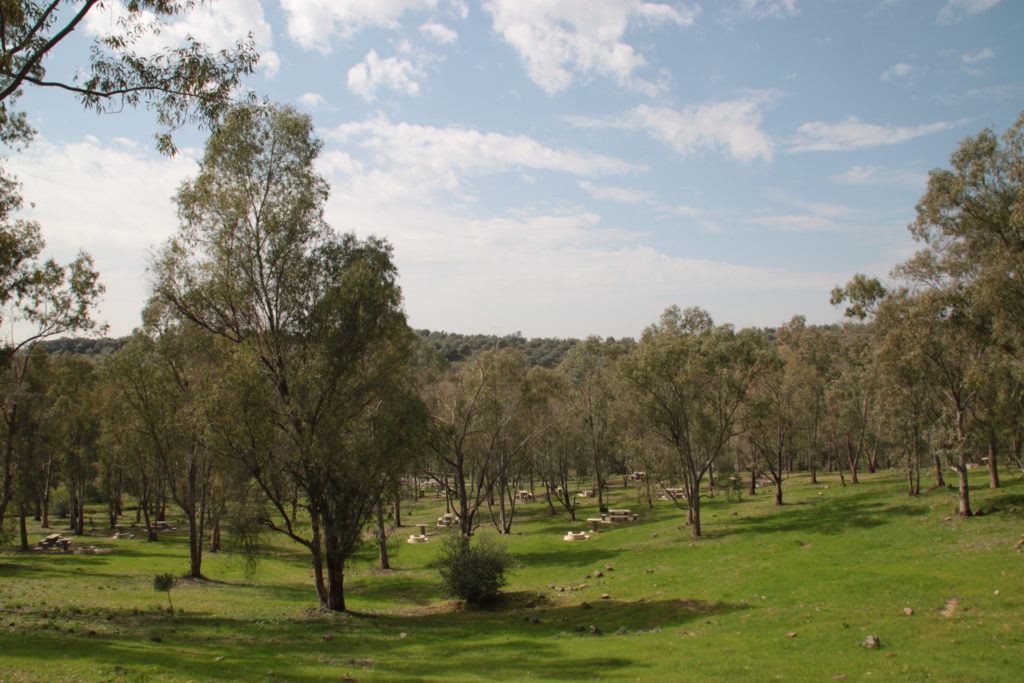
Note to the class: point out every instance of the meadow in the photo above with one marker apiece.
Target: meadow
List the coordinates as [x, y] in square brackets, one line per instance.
[771, 593]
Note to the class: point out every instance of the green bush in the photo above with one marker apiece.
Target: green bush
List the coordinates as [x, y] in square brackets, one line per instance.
[474, 572]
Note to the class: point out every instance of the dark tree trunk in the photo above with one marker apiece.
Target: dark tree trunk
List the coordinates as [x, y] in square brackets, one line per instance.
[993, 468]
[382, 537]
[23, 527]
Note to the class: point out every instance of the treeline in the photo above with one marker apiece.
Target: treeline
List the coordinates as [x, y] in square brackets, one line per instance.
[454, 347]
[277, 388]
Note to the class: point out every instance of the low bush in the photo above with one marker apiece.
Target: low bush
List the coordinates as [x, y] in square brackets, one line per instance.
[473, 571]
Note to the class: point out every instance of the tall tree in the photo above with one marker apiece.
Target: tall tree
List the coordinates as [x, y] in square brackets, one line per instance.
[690, 379]
[315, 314]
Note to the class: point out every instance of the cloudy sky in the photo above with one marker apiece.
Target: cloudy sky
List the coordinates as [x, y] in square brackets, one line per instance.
[571, 167]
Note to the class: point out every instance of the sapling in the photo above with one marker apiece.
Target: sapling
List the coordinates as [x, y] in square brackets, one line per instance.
[165, 582]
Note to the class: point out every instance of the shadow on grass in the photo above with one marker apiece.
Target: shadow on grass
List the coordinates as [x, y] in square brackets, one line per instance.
[546, 641]
[835, 515]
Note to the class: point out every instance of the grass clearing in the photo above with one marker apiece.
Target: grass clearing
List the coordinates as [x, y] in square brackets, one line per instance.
[830, 568]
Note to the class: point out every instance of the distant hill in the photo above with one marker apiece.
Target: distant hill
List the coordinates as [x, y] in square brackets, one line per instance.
[546, 352]
[86, 347]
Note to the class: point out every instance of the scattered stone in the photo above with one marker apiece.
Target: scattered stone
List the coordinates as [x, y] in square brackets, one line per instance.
[403, 635]
[791, 634]
[605, 596]
[595, 630]
[950, 608]
[584, 605]
[328, 636]
[995, 592]
[908, 611]
[598, 574]
[648, 571]
[947, 519]
[872, 643]
[609, 568]
[156, 639]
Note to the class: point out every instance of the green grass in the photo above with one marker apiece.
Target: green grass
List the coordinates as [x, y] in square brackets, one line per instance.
[831, 568]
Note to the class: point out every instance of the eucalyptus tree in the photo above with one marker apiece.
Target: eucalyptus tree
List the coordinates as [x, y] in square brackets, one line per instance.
[478, 434]
[315, 315]
[772, 416]
[690, 378]
[590, 370]
[75, 424]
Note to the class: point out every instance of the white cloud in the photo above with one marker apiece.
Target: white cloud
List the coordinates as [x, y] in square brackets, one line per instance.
[112, 200]
[373, 73]
[733, 126]
[557, 41]
[439, 33]
[311, 100]
[414, 160]
[629, 195]
[957, 10]
[851, 134]
[760, 9]
[903, 70]
[994, 93]
[879, 175]
[314, 23]
[624, 195]
[218, 25]
[979, 56]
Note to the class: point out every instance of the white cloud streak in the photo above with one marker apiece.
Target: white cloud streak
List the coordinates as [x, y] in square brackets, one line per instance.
[852, 134]
[314, 24]
[417, 159]
[732, 126]
[439, 33]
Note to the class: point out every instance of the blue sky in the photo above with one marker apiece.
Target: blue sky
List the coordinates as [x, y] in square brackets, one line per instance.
[572, 167]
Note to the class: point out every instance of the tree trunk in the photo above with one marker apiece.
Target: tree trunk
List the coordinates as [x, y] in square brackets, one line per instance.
[382, 537]
[993, 468]
[939, 481]
[23, 527]
[335, 583]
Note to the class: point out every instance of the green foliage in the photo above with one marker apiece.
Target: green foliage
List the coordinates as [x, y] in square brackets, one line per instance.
[474, 570]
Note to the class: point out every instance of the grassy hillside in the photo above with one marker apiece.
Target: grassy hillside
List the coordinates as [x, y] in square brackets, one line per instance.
[771, 594]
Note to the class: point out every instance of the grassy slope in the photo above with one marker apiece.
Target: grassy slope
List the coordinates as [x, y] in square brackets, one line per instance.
[831, 568]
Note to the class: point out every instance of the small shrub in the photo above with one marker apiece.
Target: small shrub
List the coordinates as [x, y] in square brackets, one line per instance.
[475, 571]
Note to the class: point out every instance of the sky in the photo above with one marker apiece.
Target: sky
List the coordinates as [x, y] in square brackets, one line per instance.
[565, 168]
